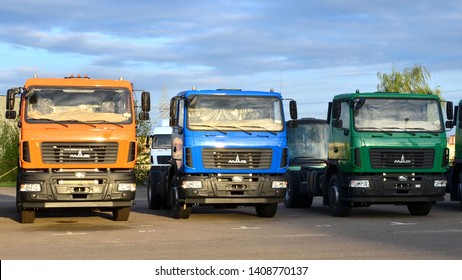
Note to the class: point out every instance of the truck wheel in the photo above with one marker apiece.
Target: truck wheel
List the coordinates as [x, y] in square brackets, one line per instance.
[179, 210]
[266, 210]
[121, 214]
[419, 208]
[460, 195]
[292, 197]
[165, 200]
[307, 200]
[27, 216]
[338, 207]
[154, 198]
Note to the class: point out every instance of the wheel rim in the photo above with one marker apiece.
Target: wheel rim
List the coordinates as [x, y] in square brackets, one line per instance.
[333, 195]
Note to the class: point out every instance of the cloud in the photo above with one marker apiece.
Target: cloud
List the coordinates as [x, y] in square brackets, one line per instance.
[328, 46]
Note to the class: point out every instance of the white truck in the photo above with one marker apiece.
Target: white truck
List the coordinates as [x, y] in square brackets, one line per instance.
[160, 145]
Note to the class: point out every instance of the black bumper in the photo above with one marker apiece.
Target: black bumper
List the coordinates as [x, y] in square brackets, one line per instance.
[223, 189]
[71, 189]
[392, 188]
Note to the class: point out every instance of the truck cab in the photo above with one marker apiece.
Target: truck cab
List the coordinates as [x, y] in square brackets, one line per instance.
[387, 148]
[229, 148]
[77, 144]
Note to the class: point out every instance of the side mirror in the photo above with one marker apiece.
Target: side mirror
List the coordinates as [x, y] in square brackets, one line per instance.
[337, 123]
[449, 110]
[10, 99]
[293, 109]
[173, 105]
[143, 116]
[145, 101]
[292, 124]
[336, 109]
[10, 114]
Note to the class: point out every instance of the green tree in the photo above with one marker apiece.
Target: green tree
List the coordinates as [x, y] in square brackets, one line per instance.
[9, 153]
[410, 80]
[143, 163]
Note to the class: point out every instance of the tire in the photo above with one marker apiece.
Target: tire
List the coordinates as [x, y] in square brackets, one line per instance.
[338, 207]
[121, 214]
[153, 190]
[27, 216]
[266, 210]
[419, 208]
[179, 210]
[460, 195]
[307, 200]
[165, 200]
[292, 196]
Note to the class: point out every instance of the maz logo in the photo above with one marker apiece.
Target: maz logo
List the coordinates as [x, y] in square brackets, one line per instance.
[79, 155]
[237, 160]
[402, 160]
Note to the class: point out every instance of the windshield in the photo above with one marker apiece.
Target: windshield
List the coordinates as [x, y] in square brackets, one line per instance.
[399, 115]
[86, 105]
[162, 141]
[243, 113]
[308, 141]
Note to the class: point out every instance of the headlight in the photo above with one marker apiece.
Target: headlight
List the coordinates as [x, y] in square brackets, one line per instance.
[30, 187]
[126, 187]
[359, 184]
[440, 183]
[192, 185]
[279, 184]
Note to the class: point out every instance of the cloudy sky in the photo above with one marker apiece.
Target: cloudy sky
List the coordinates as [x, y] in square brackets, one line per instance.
[308, 50]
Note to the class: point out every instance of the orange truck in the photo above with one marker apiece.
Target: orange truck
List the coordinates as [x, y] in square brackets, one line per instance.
[77, 144]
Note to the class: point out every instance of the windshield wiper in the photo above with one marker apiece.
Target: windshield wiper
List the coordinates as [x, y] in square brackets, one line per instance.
[105, 121]
[257, 126]
[232, 126]
[79, 122]
[50, 120]
[375, 128]
[423, 129]
[400, 128]
[211, 126]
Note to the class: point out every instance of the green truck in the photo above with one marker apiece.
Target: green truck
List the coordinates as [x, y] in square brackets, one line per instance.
[386, 148]
[383, 148]
[454, 187]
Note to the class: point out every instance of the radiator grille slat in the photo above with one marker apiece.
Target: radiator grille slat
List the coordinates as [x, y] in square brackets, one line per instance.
[237, 158]
[79, 152]
[402, 158]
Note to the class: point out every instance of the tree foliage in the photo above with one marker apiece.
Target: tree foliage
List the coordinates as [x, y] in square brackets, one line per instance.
[143, 163]
[410, 80]
[9, 153]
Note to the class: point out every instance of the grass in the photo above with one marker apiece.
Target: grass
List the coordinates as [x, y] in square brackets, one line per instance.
[7, 184]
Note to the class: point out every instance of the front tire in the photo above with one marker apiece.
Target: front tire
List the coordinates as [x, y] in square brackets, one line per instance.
[338, 206]
[179, 210]
[153, 190]
[419, 208]
[292, 197]
[27, 216]
[121, 214]
[266, 210]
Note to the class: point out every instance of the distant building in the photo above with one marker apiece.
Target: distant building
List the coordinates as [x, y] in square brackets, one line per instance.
[452, 147]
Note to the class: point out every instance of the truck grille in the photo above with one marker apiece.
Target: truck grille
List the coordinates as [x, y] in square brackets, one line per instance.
[163, 159]
[236, 158]
[402, 158]
[79, 152]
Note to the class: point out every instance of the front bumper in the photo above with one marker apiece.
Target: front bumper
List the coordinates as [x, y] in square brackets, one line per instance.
[397, 188]
[241, 189]
[68, 189]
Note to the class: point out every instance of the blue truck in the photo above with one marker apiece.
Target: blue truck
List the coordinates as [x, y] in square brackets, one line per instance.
[229, 148]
